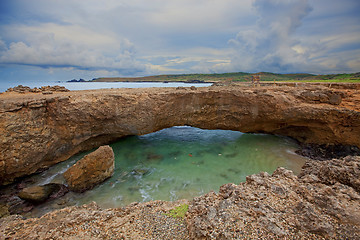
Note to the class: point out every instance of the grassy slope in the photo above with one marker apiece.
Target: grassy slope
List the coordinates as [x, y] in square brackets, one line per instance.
[240, 76]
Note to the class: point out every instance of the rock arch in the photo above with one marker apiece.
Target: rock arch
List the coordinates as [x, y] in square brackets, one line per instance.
[39, 131]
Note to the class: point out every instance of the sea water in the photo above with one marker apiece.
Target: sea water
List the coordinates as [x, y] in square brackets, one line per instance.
[97, 85]
[177, 163]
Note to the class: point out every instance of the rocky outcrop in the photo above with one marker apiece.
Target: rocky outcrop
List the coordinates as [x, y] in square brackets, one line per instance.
[136, 221]
[319, 204]
[91, 170]
[39, 130]
[326, 151]
[39, 194]
[44, 89]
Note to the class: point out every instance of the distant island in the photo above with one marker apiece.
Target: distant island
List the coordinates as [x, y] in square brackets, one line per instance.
[236, 76]
[80, 80]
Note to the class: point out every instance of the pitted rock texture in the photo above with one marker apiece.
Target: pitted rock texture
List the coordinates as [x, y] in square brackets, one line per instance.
[91, 170]
[136, 221]
[43, 89]
[316, 205]
[277, 206]
[37, 131]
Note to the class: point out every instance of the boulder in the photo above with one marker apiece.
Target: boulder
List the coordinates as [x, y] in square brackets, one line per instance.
[91, 170]
[39, 194]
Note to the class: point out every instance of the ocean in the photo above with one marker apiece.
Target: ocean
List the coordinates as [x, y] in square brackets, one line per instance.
[97, 85]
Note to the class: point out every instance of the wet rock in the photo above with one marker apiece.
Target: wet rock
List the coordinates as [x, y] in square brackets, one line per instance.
[39, 194]
[327, 151]
[91, 170]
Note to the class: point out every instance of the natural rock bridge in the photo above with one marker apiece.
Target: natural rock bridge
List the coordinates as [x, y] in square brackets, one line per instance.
[37, 131]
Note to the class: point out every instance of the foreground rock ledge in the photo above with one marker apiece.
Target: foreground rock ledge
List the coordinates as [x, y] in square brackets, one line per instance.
[316, 205]
[37, 131]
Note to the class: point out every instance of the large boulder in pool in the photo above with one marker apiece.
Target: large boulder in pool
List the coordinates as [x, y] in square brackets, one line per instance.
[91, 170]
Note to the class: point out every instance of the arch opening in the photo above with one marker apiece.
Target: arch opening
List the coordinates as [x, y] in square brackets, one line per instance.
[182, 162]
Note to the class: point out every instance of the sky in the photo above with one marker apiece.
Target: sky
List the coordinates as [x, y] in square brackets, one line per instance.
[67, 39]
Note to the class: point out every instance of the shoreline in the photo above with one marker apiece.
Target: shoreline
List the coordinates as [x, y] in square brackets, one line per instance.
[253, 209]
[9, 193]
[309, 113]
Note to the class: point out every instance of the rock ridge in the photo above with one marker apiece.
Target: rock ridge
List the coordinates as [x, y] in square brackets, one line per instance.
[39, 130]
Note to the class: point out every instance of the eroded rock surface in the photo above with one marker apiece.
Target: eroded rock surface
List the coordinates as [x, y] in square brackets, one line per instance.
[43, 89]
[137, 221]
[39, 130]
[278, 206]
[324, 201]
[91, 170]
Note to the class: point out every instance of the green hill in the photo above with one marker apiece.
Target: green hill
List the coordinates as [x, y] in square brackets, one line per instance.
[238, 76]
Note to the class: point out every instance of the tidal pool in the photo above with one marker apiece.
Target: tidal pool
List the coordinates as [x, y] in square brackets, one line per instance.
[176, 163]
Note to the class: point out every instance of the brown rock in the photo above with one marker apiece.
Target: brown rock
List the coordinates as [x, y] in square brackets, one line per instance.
[283, 205]
[71, 122]
[39, 194]
[345, 171]
[91, 170]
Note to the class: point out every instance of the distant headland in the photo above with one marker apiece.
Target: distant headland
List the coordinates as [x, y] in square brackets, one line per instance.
[230, 77]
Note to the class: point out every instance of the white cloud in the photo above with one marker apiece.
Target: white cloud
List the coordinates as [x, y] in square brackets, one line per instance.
[269, 45]
[279, 42]
[57, 45]
[142, 37]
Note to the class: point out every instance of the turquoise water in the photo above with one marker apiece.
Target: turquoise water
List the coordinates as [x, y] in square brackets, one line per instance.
[180, 162]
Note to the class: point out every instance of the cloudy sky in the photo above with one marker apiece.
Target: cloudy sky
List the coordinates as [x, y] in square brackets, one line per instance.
[65, 39]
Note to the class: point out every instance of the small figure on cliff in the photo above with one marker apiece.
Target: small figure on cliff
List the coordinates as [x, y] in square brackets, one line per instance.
[255, 80]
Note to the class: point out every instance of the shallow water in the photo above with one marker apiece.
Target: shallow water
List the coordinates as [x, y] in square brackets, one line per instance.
[177, 163]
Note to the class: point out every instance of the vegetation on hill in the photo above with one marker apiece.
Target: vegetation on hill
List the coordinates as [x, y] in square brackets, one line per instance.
[238, 76]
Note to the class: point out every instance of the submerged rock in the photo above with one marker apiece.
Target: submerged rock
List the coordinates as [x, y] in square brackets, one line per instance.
[140, 171]
[91, 170]
[39, 194]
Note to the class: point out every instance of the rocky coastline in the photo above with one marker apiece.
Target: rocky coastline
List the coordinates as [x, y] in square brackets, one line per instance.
[323, 202]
